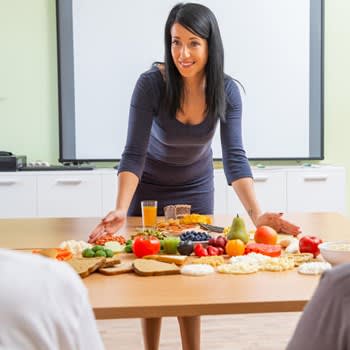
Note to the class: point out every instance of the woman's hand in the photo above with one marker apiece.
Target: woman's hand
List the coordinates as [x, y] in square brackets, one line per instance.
[111, 223]
[275, 221]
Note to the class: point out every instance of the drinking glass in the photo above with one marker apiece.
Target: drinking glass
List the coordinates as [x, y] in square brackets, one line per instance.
[149, 213]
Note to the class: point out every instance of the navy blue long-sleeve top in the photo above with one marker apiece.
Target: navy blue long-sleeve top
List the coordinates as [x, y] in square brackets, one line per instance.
[169, 156]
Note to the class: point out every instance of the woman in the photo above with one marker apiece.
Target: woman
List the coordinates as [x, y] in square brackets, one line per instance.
[174, 111]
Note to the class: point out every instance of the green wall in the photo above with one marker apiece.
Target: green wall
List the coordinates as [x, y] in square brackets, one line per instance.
[28, 81]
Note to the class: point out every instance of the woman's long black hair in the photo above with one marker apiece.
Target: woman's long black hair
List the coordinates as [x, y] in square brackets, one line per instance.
[201, 21]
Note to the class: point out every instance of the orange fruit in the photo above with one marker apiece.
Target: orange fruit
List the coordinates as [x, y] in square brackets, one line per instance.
[265, 234]
[234, 247]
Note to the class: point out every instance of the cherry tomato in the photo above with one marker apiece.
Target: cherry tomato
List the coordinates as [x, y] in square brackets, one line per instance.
[199, 250]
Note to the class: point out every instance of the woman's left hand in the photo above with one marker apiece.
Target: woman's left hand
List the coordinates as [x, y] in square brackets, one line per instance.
[276, 221]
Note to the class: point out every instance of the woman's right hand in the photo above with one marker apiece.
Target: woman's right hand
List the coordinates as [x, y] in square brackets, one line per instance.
[111, 223]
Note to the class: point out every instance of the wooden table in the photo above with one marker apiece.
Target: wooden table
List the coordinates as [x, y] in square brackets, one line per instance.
[128, 295]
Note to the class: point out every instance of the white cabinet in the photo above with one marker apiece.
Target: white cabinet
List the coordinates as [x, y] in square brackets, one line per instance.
[93, 193]
[287, 189]
[75, 194]
[109, 192]
[17, 195]
[271, 192]
[220, 191]
[270, 189]
[57, 194]
[316, 189]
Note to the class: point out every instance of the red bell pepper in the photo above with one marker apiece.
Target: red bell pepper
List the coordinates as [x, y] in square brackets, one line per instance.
[146, 246]
[309, 244]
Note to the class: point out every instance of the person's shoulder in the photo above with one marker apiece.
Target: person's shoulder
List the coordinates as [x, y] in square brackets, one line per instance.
[152, 76]
[232, 84]
[43, 268]
[150, 86]
[338, 279]
[339, 274]
[232, 90]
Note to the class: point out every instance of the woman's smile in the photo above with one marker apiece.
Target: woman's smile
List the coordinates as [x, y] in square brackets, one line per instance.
[187, 64]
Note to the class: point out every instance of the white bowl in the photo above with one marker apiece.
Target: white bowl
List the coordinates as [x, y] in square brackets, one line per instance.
[336, 252]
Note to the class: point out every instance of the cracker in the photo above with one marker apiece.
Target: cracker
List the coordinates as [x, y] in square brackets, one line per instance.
[278, 264]
[299, 258]
[210, 260]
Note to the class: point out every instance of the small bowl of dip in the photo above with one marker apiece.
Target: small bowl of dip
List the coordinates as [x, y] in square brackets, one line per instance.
[335, 252]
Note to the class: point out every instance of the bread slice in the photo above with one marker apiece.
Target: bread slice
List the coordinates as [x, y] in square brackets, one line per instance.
[111, 262]
[147, 267]
[176, 259]
[86, 266]
[116, 269]
[176, 211]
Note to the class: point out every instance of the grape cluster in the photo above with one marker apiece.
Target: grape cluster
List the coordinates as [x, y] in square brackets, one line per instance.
[195, 236]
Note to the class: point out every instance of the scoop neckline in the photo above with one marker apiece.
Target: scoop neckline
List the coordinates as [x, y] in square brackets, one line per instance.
[178, 121]
[192, 125]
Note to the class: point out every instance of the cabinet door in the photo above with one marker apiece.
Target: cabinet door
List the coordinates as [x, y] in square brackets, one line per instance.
[220, 192]
[109, 192]
[17, 196]
[270, 188]
[69, 195]
[316, 190]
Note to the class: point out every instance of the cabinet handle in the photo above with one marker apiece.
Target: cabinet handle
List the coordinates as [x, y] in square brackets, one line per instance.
[8, 182]
[260, 178]
[315, 177]
[69, 181]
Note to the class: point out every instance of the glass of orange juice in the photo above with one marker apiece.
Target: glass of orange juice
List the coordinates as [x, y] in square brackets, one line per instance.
[149, 213]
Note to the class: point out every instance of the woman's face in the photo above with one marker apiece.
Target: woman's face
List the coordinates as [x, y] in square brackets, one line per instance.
[189, 51]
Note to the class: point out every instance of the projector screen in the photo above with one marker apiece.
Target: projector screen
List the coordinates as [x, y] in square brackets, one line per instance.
[274, 48]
